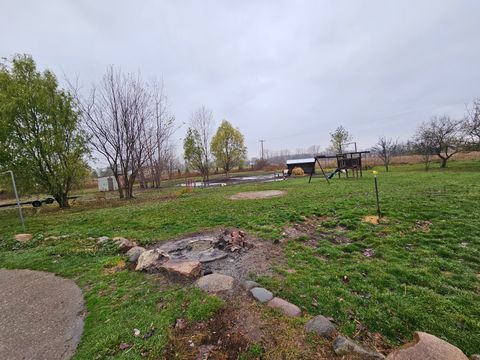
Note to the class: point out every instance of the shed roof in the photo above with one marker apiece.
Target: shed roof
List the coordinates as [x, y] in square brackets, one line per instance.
[301, 161]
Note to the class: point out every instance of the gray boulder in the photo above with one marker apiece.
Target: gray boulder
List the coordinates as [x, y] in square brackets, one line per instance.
[261, 294]
[344, 346]
[124, 244]
[321, 326]
[102, 240]
[151, 260]
[248, 285]
[213, 283]
[134, 253]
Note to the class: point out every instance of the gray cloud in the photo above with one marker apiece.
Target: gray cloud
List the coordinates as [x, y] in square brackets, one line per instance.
[285, 71]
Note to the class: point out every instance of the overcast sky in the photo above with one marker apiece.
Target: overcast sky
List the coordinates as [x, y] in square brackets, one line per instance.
[288, 72]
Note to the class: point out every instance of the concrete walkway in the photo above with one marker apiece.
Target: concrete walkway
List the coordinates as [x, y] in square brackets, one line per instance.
[41, 315]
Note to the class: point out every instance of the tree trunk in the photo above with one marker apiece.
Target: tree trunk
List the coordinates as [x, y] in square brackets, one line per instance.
[62, 200]
[443, 163]
[120, 186]
[129, 187]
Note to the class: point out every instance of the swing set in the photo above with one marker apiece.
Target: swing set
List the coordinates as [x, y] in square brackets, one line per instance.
[349, 161]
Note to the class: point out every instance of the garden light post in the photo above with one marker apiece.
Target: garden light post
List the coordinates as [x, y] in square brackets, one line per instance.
[375, 173]
[16, 197]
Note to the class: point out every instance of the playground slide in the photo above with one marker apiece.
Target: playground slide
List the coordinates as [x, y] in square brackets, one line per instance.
[332, 174]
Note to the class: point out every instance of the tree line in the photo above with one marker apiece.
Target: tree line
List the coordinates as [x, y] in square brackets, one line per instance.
[440, 137]
[48, 134]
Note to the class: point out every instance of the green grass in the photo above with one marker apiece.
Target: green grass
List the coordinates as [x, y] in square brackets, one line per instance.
[431, 285]
[117, 302]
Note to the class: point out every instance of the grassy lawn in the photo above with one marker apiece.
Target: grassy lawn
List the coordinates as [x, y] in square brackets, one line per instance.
[424, 273]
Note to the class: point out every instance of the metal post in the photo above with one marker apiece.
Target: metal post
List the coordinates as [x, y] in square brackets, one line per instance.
[16, 197]
[378, 200]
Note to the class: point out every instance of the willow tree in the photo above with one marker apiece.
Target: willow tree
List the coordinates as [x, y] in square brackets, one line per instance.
[41, 139]
[228, 147]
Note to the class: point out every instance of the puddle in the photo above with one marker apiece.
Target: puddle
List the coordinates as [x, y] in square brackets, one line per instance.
[235, 180]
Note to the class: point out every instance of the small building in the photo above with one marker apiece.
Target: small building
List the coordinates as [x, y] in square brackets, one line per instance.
[308, 165]
[107, 183]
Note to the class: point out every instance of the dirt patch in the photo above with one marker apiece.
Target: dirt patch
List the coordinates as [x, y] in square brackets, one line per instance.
[371, 219]
[113, 268]
[252, 195]
[422, 225]
[260, 260]
[241, 326]
[312, 232]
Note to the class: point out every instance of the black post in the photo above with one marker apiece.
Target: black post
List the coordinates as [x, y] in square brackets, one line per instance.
[378, 200]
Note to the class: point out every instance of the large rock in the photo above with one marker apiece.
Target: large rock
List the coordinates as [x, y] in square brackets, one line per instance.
[427, 347]
[261, 294]
[134, 253]
[321, 326]
[151, 260]
[344, 346]
[124, 244]
[215, 282]
[249, 284]
[475, 357]
[102, 240]
[287, 308]
[23, 237]
[188, 268]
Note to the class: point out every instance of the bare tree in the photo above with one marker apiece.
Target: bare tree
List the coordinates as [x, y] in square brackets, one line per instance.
[385, 149]
[472, 124]
[201, 123]
[164, 129]
[441, 136]
[314, 150]
[119, 115]
[425, 149]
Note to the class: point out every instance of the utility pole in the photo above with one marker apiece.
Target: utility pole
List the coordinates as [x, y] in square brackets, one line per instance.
[262, 141]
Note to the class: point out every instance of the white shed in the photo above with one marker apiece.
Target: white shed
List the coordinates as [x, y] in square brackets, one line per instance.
[107, 183]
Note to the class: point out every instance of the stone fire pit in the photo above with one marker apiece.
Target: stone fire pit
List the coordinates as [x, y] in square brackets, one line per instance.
[186, 256]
